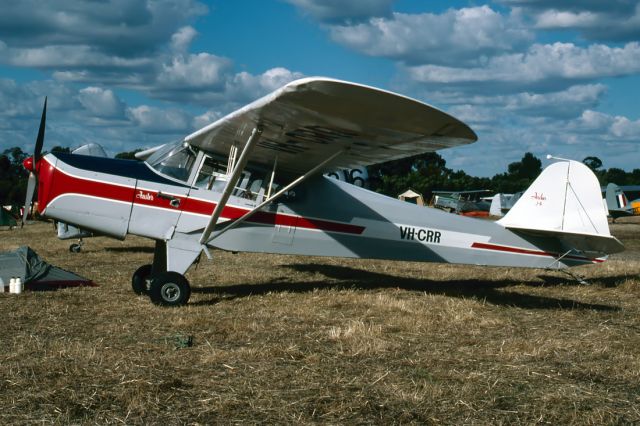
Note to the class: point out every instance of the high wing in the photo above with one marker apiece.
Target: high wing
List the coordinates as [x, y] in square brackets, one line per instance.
[313, 118]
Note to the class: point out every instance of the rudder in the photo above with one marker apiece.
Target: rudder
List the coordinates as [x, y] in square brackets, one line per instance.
[565, 200]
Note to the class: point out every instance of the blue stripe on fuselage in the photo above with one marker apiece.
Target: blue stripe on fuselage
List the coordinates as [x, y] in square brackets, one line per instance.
[115, 166]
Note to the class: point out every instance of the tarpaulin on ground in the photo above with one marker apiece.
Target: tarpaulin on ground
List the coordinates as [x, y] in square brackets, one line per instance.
[6, 219]
[35, 273]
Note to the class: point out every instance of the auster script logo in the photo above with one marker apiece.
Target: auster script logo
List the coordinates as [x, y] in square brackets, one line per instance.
[539, 198]
[144, 196]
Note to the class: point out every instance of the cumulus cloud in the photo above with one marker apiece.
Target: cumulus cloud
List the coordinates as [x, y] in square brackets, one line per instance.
[101, 102]
[119, 27]
[156, 120]
[615, 20]
[542, 67]
[181, 39]
[232, 91]
[64, 57]
[454, 37]
[340, 10]
[565, 104]
[119, 42]
[505, 138]
[248, 86]
[194, 72]
[205, 119]
[612, 127]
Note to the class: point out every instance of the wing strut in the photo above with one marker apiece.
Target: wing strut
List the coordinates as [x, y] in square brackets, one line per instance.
[231, 183]
[275, 196]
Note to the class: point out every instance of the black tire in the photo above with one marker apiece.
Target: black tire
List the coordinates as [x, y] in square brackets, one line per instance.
[139, 279]
[75, 248]
[169, 289]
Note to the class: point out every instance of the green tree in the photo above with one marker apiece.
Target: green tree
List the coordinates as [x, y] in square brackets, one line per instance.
[617, 176]
[594, 163]
[13, 176]
[528, 168]
[128, 155]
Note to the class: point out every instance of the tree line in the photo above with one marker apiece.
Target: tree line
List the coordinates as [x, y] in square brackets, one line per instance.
[423, 173]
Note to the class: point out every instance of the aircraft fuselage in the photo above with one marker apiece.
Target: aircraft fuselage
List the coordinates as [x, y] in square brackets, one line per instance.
[325, 217]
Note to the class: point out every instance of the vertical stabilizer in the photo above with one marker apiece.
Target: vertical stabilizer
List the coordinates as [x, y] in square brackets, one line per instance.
[616, 199]
[564, 198]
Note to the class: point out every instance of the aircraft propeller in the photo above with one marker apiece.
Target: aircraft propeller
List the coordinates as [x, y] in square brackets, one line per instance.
[31, 164]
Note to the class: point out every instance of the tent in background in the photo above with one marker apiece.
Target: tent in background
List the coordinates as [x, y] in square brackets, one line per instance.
[411, 196]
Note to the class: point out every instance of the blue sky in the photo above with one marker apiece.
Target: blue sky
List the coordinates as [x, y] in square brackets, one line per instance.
[527, 75]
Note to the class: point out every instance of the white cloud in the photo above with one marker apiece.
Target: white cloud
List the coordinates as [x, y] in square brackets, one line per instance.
[253, 86]
[593, 120]
[205, 119]
[541, 66]
[564, 19]
[614, 20]
[340, 10]
[454, 37]
[565, 104]
[156, 120]
[624, 128]
[120, 27]
[181, 39]
[101, 102]
[54, 56]
[196, 71]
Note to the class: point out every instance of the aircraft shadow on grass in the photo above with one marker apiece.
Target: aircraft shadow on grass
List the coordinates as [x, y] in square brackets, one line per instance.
[352, 278]
[136, 249]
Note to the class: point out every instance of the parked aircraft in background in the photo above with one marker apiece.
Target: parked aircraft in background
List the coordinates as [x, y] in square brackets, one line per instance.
[467, 203]
[253, 181]
[617, 203]
[502, 203]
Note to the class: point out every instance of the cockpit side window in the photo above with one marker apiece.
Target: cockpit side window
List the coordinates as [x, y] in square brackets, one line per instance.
[210, 171]
[175, 161]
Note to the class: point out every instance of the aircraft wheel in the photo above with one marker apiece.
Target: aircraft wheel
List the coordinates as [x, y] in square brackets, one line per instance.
[140, 278]
[75, 248]
[169, 289]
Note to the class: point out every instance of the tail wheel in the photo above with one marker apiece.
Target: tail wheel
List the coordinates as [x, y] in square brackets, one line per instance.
[169, 289]
[140, 279]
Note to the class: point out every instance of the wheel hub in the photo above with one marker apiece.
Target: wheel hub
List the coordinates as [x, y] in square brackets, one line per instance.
[170, 292]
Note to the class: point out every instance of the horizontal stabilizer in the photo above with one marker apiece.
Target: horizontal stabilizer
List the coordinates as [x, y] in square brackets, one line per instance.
[565, 201]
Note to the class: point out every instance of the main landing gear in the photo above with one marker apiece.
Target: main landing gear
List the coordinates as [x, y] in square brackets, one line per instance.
[76, 247]
[165, 288]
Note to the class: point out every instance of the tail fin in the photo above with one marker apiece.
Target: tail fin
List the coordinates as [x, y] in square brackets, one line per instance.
[616, 199]
[565, 201]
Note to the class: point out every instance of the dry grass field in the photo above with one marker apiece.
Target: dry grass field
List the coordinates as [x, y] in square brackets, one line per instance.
[284, 339]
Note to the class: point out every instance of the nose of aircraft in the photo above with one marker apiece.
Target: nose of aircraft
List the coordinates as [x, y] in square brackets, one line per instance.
[28, 164]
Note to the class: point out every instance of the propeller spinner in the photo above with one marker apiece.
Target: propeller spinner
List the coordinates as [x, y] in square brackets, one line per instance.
[31, 164]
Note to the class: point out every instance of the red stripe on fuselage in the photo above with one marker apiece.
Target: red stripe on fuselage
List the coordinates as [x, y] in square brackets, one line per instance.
[60, 183]
[68, 184]
[519, 250]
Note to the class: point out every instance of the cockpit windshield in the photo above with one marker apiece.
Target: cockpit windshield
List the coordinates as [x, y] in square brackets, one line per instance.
[174, 160]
